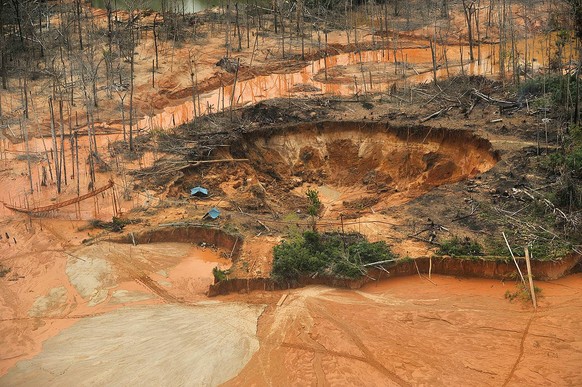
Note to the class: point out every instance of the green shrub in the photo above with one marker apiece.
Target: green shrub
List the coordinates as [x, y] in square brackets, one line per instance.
[554, 86]
[371, 252]
[219, 275]
[340, 255]
[459, 247]
[567, 163]
[522, 293]
[344, 268]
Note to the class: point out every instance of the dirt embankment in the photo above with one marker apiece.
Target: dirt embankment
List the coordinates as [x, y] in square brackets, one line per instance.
[503, 269]
[210, 236]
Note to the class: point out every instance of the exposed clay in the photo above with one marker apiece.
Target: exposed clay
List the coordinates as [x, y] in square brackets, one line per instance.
[477, 268]
[373, 157]
[187, 234]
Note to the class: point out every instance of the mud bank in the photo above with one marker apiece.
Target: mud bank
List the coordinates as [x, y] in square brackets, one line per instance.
[187, 234]
[476, 268]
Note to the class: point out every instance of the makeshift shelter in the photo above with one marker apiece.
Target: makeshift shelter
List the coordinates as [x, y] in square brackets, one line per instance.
[199, 191]
[212, 214]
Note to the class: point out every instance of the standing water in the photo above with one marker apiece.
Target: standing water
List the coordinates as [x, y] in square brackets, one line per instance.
[180, 6]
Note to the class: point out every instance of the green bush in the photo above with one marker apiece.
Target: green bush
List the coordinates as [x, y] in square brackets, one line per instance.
[219, 275]
[522, 293]
[340, 255]
[554, 86]
[371, 252]
[567, 163]
[460, 247]
[344, 268]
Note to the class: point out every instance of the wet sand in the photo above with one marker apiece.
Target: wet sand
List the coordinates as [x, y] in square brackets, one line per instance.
[408, 331]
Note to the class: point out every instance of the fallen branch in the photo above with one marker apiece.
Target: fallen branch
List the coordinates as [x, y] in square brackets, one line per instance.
[499, 102]
[514, 260]
[436, 114]
[377, 263]
[424, 240]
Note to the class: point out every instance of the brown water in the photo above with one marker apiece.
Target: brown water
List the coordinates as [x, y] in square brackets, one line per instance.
[414, 66]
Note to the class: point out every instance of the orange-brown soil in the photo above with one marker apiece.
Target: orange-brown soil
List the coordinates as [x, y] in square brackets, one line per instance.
[77, 307]
[410, 331]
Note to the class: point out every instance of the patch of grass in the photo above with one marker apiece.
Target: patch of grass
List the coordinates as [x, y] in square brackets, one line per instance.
[291, 219]
[460, 247]
[4, 270]
[331, 254]
[522, 293]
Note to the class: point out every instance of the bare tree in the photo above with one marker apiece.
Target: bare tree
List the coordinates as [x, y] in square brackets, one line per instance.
[469, 11]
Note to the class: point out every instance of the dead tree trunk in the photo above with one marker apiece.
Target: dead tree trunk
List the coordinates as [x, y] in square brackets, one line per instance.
[468, 9]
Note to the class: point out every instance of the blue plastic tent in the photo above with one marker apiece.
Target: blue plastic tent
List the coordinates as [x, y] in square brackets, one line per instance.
[212, 214]
[199, 191]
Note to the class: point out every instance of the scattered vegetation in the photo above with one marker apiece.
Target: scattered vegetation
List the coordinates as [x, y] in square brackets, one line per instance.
[329, 254]
[116, 224]
[547, 89]
[540, 250]
[522, 293]
[567, 164]
[460, 247]
[219, 274]
[4, 270]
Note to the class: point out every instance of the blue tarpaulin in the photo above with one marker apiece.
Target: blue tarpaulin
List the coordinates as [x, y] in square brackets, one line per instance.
[212, 214]
[199, 191]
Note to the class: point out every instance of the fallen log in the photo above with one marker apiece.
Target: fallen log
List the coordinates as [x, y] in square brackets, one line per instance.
[378, 263]
[436, 114]
[56, 206]
[499, 102]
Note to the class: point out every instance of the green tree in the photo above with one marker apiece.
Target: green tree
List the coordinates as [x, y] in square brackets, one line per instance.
[314, 206]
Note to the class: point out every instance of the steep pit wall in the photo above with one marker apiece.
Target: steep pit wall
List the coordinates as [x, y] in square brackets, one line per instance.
[187, 234]
[375, 156]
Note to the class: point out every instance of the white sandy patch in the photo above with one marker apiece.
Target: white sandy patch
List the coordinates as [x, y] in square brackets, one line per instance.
[53, 304]
[122, 296]
[163, 345]
[90, 276]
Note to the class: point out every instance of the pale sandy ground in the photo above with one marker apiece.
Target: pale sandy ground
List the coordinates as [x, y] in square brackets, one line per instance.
[53, 286]
[161, 345]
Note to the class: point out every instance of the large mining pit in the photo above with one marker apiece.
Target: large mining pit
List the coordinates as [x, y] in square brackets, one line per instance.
[347, 161]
